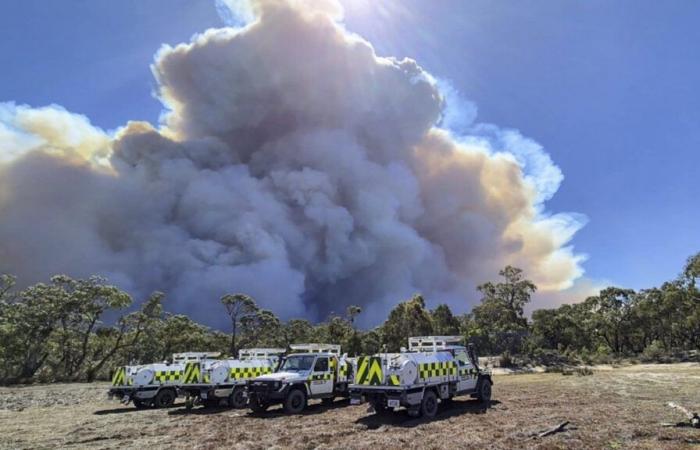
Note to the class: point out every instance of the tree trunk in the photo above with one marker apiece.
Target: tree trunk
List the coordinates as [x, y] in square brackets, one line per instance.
[83, 349]
[233, 338]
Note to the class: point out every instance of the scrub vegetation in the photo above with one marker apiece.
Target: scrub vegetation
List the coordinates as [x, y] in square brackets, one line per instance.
[613, 408]
[66, 330]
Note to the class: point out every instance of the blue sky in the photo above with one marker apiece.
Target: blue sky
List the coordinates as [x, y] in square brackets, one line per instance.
[610, 89]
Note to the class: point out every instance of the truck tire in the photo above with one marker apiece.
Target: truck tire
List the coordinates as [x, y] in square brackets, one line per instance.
[141, 404]
[381, 409]
[295, 402]
[429, 405]
[237, 398]
[257, 405]
[210, 402]
[164, 399]
[483, 390]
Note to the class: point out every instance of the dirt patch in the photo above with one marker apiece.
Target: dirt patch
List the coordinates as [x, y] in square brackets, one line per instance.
[42, 396]
[618, 408]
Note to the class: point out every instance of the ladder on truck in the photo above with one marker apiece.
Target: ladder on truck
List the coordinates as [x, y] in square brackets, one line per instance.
[259, 353]
[433, 343]
[316, 348]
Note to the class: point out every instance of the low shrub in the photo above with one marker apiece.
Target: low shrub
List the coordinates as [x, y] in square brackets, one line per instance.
[506, 359]
[654, 352]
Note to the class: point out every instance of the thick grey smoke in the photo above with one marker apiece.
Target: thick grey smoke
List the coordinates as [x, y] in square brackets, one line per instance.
[292, 163]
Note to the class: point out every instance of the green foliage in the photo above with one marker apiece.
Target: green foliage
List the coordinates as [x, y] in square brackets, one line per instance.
[352, 311]
[653, 352]
[503, 302]
[54, 331]
[444, 322]
[498, 324]
[297, 330]
[52, 326]
[620, 322]
[691, 272]
[409, 318]
[240, 308]
[7, 282]
[506, 359]
[261, 329]
[371, 342]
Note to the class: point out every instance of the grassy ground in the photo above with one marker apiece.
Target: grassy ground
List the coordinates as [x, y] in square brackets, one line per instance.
[613, 408]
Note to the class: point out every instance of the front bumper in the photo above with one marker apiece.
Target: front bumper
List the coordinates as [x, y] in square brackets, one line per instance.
[267, 391]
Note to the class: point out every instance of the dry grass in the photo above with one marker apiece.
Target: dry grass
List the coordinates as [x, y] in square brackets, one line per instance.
[614, 408]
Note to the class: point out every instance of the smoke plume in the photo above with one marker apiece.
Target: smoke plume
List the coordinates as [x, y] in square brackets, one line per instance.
[291, 163]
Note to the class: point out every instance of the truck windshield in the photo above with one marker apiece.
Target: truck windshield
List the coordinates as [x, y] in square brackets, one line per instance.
[297, 363]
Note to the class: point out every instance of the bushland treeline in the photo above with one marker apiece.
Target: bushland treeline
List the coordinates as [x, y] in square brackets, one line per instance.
[55, 331]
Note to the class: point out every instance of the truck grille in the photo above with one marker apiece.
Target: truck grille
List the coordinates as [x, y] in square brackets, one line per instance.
[261, 386]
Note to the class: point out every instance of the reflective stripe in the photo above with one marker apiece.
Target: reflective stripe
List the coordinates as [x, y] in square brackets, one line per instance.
[165, 376]
[362, 364]
[238, 373]
[394, 380]
[192, 373]
[344, 370]
[333, 365]
[369, 371]
[119, 378]
[320, 376]
[437, 369]
[469, 372]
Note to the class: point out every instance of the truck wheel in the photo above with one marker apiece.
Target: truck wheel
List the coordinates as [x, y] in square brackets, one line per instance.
[295, 402]
[429, 405]
[258, 406]
[210, 402]
[237, 398]
[483, 390]
[141, 404]
[380, 408]
[164, 399]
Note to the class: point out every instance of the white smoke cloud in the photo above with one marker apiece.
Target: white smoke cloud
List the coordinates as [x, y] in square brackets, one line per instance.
[581, 289]
[292, 163]
[52, 128]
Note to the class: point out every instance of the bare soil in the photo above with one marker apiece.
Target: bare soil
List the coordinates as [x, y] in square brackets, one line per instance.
[613, 408]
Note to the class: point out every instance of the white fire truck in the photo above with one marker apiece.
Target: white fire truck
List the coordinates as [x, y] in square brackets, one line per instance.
[154, 384]
[433, 369]
[208, 382]
[311, 371]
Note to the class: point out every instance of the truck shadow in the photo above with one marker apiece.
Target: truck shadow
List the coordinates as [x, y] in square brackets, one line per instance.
[311, 409]
[133, 409]
[202, 410]
[277, 411]
[446, 411]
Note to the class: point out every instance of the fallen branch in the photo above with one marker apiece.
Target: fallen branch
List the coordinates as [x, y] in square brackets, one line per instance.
[693, 418]
[558, 429]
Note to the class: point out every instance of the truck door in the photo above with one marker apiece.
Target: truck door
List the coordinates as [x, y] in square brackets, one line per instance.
[466, 371]
[321, 377]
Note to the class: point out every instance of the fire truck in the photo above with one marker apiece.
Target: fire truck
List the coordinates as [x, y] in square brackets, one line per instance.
[432, 370]
[310, 371]
[208, 382]
[154, 384]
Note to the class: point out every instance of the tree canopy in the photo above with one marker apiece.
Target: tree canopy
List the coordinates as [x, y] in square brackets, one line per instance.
[55, 331]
